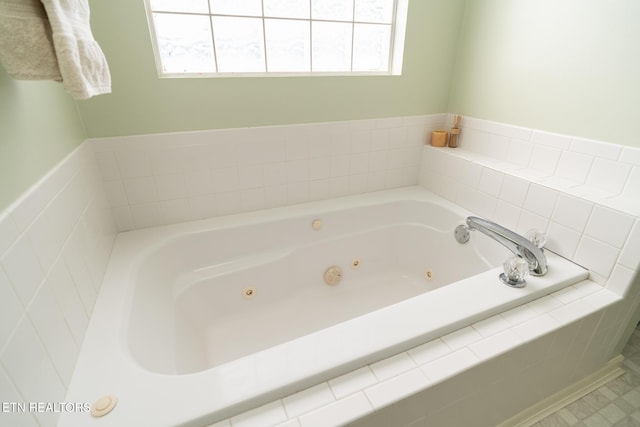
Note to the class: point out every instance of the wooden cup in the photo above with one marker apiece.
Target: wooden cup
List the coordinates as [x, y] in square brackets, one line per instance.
[439, 138]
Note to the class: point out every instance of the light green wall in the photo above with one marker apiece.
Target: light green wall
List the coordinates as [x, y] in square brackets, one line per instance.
[39, 126]
[566, 66]
[143, 103]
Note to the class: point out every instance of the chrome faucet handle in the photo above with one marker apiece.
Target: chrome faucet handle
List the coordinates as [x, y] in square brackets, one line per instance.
[536, 237]
[515, 271]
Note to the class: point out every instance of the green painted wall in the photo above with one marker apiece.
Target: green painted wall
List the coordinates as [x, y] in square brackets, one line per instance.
[568, 66]
[143, 103]
[39, 126]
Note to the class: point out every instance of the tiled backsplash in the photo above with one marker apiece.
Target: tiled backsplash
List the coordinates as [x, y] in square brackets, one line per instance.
[167, 178]
[584, 194]
[55, 242]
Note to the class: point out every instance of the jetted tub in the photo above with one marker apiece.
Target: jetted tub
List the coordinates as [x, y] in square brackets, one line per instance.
[200, 321]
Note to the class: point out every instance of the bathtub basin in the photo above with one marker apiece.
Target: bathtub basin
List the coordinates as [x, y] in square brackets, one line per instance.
[200, 321]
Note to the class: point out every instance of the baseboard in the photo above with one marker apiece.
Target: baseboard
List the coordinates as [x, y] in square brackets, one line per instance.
[557, 401]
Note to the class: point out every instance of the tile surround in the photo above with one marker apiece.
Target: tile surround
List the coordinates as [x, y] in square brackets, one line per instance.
[55, 242]
[570, 187]
[162, 179]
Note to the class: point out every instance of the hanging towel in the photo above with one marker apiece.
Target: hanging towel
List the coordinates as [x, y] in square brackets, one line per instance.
[26, 45]
[52, 40]
[82, 64]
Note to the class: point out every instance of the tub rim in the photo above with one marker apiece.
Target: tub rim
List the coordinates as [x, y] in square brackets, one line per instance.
[217, 393]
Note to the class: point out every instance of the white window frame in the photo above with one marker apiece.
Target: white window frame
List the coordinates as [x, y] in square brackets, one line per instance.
[396, 49]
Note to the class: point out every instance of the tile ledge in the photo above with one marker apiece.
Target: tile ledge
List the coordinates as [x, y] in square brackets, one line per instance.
[618, 202]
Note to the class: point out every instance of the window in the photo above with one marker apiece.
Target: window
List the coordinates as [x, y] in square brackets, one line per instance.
[249, 37]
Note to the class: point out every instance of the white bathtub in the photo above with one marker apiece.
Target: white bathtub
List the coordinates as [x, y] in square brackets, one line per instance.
[175, 337]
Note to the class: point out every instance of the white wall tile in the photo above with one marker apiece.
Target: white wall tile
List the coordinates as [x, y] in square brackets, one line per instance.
[108, 165]
[562, 240]
[352, 382]
[228, 203]
[168, 161]
[47, 237]
[491, 326]
[620, 280]
[360, 141]
[608, 175]
[572, 212]
[123, 218]
[519, 152]
[379, 139]
[338, 413]
[115, 193]
[507, 214]
[10, 309]
[555, 140]
[174, 211]
[297, 148]
[630, 155]
[319, 168]
[21, 265]
[571, 312]
[307, 400]
[630, 255]
[275, 173]
[495, 344]
[269, 414]
[64, 290]
[540, 200]
[226, 179]
[392, 366]
[275, 195]
[48, 320]
[461, 338]
[610, 226]
[595, 148]
[491, 182]
[254, 199]
[536, 327]
[545, 304]
[169, 187]
[133, 163]
[574, 167]
[519, 314]
[530, 221]
[595, 255]
[9, 394]
[430, 351]
[140, 190]
[632, 186]
[449, 365]
[544, 159]
[147, 215]
[514, 190]
[396, 388]
[30, 368]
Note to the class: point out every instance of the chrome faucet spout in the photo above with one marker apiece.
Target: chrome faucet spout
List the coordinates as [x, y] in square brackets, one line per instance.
[517, 244]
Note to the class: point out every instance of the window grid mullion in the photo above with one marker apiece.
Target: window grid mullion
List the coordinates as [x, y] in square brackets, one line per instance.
[310, 36]
[353, 32]
[264, 38]
[213, 39]
[393, 34]
[311, 22]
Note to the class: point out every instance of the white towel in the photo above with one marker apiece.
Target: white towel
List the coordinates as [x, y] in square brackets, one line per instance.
[26, 47]
[84, 68]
